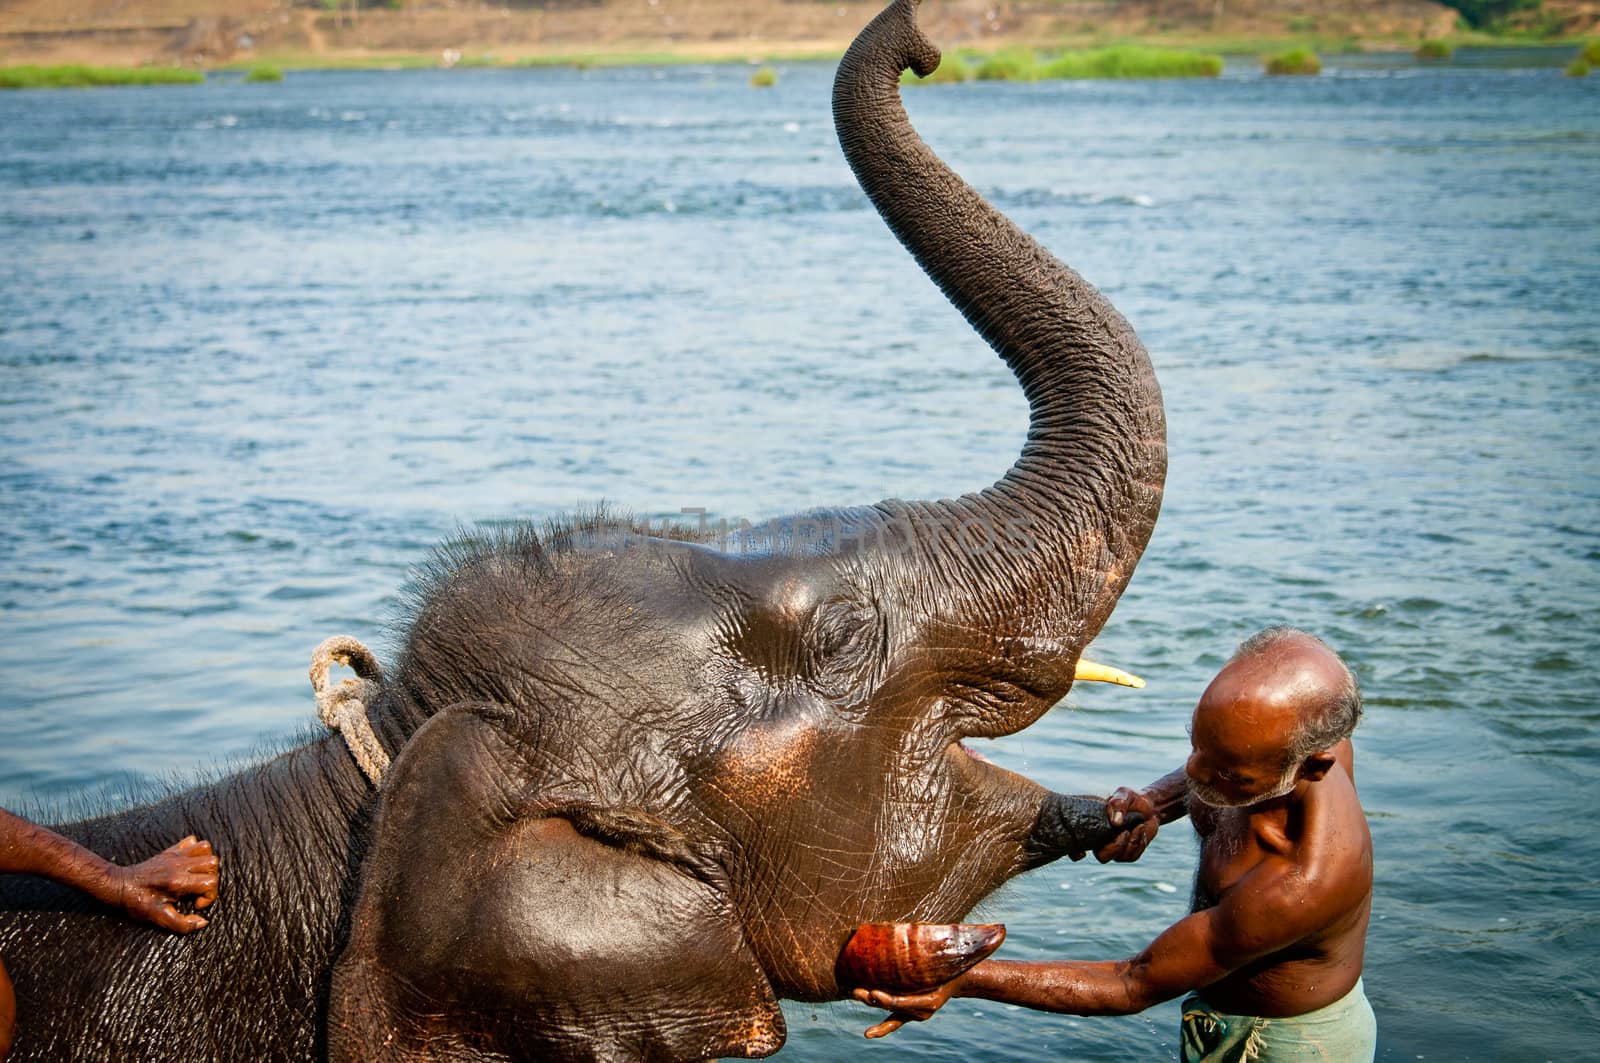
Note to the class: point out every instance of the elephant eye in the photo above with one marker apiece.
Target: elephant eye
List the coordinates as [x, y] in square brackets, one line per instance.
[842, 631]
[836, 649]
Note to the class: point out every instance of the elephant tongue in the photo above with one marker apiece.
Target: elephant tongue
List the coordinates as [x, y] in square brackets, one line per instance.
[914, 957]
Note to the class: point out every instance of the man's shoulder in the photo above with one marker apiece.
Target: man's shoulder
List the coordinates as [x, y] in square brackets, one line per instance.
[1334, 813]
[1332, 858]
[1329, 854]
[1344, 754]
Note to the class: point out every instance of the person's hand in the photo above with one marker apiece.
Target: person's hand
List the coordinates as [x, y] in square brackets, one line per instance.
[151, 890]
[1131, 843]
[912, 1007]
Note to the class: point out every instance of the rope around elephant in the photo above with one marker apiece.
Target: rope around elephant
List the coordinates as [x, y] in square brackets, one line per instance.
[343, 708]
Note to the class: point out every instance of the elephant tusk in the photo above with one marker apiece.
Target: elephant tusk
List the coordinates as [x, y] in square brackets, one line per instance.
[1093, 672]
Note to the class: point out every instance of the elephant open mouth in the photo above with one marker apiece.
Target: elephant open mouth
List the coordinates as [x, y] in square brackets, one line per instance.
[973, 753]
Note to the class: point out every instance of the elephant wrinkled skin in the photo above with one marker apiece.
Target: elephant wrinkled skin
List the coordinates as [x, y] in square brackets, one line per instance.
[642, 788]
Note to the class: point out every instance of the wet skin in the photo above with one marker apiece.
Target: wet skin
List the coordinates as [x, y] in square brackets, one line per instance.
[149, 891]
[1284, 885]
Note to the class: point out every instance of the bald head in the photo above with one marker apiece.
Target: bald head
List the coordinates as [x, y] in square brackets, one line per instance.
[1282, 697]
[1298, 688]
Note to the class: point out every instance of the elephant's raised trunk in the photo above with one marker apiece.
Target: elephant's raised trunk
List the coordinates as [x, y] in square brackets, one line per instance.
[1086, 489]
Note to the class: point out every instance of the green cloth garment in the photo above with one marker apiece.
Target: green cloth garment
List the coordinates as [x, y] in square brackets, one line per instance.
[1343, 1032]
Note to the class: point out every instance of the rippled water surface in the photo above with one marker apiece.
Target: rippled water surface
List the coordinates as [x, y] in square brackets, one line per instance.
[263, 344]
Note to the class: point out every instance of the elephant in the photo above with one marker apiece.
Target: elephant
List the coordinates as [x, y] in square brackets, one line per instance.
[643, 786]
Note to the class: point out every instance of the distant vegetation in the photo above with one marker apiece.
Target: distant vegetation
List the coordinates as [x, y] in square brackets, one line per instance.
[1577, 69]
[264, 72]
[1490, 14]
[81, 77]
[1009, 64]
[1591, 53]
[1134, 61]
[1520, 21]
[1296, 61]
[1435, 49]
[764, 78]
[1121, 61]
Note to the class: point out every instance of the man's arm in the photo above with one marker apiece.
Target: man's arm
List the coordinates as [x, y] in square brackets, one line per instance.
[29, 849]
[1194, 952]
[1267, 911]
[146, 891]
[1170, 795]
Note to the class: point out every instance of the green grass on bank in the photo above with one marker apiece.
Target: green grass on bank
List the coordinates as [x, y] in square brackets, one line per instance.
[1321, 43]
[1009, 64]
[1132, 61]
[1117, 61]
[1296, 61]
[82, 77]
[1326, 44]
[264, 72]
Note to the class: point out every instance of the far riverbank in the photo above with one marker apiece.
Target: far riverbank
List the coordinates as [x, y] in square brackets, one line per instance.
[240, 33]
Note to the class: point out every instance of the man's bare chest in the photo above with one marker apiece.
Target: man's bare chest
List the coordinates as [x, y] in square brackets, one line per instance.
[1228, 852]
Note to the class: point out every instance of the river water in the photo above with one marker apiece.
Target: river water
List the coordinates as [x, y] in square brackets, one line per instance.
[263, 344]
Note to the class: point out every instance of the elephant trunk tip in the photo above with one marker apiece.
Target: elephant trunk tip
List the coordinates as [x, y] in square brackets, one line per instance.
[923, 56]
[926, 62]
[895, 36]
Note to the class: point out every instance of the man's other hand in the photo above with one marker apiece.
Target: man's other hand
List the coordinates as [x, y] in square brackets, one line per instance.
[1131, 843]
[912, 1007]
[150, 891]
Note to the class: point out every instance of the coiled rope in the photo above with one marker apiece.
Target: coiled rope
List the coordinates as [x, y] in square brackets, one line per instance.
[343, 708]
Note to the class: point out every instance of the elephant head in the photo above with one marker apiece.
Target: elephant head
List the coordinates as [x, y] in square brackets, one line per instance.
[656, 784]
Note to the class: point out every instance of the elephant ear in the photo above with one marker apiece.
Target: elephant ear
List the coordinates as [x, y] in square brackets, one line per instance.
[494, 922]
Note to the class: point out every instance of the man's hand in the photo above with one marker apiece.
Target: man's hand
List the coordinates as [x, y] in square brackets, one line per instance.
[151, 890]
[1131, 843]
[912, 1007]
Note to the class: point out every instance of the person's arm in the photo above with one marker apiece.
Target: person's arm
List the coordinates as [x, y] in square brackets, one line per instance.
[29, 849]
[1190, 954]
[147, 891]
[1266, 912]
[1170, 796]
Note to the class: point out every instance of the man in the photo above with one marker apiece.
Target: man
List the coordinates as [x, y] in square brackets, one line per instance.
[148, 891]
[1272, 951]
